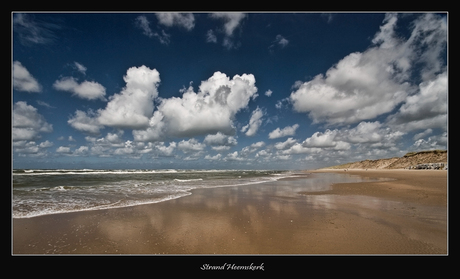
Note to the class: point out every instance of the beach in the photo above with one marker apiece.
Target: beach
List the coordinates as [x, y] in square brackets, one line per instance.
[390, 212]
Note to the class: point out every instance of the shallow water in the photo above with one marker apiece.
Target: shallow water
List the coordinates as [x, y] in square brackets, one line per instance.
[42, 192]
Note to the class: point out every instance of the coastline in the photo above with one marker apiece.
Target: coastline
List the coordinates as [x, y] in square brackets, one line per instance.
[405, 215]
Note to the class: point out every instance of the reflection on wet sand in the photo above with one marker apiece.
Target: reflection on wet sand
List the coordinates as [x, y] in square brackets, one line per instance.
[270, 218]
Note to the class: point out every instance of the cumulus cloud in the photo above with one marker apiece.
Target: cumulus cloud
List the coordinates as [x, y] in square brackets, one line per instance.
[357, 88]
[213, 158]
[268, 93]
[254, 123]
[211, 110]
[286, 131]
[81, 151]
[286, 144]
[191, 145]
[220, 141]
[185, 20]
[31, 148]
[23, 80]
[166, 151]
[85, 122]
[433, 142]
[318, 139]
[327, 139]
[245, 151]
[63, 150]
[28, 123]
[423, 134]
[426, 109]
[133, 106]
[233, 157]
[364, 85]
[89, 90]
[365, 132]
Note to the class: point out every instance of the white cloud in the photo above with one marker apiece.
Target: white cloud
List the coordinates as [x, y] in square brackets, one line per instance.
[63, 150]
[81, 151]
[268, 93]
[23, 80]
[286, 144]
[234, 157]
[133, 106]
[365, 132]
[433, 142]
[28, 123]
[286, 131]
[365, 85]
[263, 153]
[258, 144]
[82, 69]
[185, 20]
[191, 145]
[31, 31]
[85, 122]
[163, 37]
[30, 148]
[254, 123]
[89, 90]
[426, 109]
[386, 35]
[44, 104]
[211, 37]
[359, 87]
[215, 157]
[166, 151]
[144, 24]
[422, 134]
[232, 21]
[296, 148]
[245, 151]
[330, 139]
[322, 140]
[281, 41]
[209, 111]
[46, 144]
[127, 149]
[220, 139]
[430, 36]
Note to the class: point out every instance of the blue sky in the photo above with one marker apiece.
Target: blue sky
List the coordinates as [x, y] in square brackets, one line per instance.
[225, 90]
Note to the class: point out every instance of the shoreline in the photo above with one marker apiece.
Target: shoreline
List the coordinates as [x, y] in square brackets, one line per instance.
[268, 218]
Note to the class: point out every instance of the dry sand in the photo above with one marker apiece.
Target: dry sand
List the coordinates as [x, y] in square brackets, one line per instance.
[407, 215]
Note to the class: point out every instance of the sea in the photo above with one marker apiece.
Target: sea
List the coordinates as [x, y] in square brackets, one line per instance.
[37, 192]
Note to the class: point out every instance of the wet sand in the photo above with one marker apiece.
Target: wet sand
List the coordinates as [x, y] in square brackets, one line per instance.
[405, 215]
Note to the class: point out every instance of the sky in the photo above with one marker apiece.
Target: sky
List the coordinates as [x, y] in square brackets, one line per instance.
[225, 90]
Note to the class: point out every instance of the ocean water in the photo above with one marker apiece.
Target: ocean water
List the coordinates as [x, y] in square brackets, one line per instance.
[42, 192]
